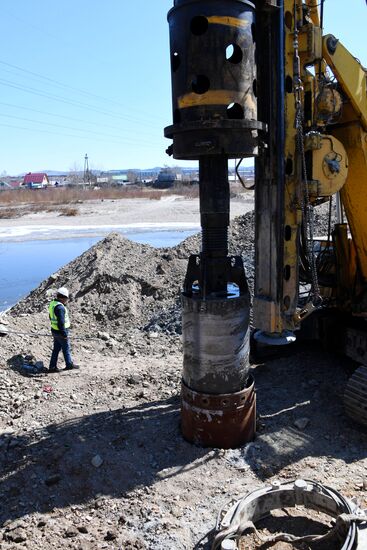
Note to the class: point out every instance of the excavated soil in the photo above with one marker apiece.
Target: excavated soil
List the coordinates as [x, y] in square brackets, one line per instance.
[94, 458]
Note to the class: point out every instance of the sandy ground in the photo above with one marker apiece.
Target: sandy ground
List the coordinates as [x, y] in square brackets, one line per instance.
[94, 459]
[171, 209]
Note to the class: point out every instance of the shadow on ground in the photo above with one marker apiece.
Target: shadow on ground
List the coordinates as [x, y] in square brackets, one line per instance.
[309, 387]
[52, 468]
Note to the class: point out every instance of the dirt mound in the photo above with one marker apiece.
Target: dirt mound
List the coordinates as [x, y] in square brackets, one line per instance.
[119, 283]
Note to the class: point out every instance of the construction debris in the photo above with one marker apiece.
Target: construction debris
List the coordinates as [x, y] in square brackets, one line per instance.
[349, 529]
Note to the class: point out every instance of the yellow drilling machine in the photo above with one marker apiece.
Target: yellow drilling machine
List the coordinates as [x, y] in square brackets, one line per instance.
[259, 79]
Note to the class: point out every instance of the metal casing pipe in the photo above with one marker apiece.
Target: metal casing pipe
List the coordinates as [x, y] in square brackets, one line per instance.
[216, 343]
[224, 421]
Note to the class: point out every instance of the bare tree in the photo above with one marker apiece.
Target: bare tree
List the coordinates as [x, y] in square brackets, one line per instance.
[75, 174]
[132, 176]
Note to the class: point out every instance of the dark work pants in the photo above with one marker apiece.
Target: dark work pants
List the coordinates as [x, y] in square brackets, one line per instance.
[60, 343]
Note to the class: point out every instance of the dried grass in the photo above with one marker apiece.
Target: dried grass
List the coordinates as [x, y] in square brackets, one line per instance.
[69, 211]
[49, 199]
[66, 196]
[9, 213]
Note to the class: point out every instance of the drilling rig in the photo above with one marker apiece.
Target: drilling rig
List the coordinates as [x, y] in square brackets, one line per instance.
[259, 79]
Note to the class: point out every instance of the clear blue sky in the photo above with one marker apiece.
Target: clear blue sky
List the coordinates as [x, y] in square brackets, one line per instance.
[101, 80]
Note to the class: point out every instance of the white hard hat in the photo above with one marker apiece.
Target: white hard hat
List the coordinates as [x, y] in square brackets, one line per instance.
[63, 292]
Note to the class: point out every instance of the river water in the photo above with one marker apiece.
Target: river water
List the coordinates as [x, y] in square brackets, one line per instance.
[25, 263]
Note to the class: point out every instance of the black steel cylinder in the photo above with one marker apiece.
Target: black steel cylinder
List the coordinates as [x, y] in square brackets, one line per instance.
[213, 78]
[214, 197]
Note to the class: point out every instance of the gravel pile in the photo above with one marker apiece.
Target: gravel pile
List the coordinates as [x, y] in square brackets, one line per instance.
[118, 284]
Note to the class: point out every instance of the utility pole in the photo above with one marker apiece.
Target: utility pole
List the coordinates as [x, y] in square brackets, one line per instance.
[86, 176]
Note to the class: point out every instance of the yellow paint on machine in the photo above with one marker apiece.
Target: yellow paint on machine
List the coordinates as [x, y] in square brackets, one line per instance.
[212, 97]
[353, 194]
[351, 76]
[228, 21]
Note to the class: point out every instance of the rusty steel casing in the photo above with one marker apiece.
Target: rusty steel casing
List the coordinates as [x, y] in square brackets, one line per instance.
[216, 343]
[213, 69]
[223, 421]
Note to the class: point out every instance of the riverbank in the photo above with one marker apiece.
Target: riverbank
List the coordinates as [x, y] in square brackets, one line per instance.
[94, 459]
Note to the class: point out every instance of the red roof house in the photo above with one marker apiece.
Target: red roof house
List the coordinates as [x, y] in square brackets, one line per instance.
[35, 180]
[15, 184]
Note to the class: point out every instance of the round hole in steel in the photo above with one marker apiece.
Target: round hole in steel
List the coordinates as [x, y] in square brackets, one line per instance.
[235, 111]
[175, 61]
[199, 25]
[205, 401]
[289, 167]
[288, 18]
[287, 233]
[200, 84]
[234, 53]
[225, 402]
[289, 84]
[287, 272]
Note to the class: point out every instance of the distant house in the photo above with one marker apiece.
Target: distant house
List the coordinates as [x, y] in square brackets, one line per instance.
[56, 181]
[15, 183]
[120, 179]
[36, 180]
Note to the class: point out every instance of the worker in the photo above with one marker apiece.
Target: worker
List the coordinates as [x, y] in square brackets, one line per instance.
[60, 324]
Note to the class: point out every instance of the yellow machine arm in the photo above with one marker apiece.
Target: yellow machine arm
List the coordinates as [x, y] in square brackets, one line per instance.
[351, 131]
[329, 157]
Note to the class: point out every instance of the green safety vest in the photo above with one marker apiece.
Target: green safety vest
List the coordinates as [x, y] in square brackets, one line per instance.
[53, 318]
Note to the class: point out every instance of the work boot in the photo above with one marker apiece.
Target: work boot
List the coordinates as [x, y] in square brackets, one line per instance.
[53, 370]
[72, 367]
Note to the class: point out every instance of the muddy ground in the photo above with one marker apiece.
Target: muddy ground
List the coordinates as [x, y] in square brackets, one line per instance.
[94, 458]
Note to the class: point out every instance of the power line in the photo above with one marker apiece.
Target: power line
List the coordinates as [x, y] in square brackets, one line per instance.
[72, 118]
[129, 140]
[144, 146]
[78, 104]
[72, 88]
[143, 131]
